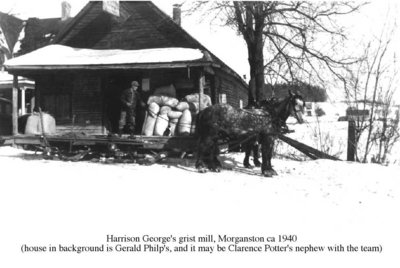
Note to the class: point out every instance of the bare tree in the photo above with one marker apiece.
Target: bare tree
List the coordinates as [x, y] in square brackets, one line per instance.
[370, 86]
[387, 133]
[287, 32]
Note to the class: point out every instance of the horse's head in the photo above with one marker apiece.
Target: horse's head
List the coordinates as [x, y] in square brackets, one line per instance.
[296, 106]
[293, 105]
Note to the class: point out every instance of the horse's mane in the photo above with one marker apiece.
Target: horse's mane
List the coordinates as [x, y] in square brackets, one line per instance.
[278, 108]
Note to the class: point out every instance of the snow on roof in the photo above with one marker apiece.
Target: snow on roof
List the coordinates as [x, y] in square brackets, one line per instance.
[57, 55]
[7, 79]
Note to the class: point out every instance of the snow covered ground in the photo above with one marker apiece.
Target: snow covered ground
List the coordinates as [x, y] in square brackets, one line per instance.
[323, 203]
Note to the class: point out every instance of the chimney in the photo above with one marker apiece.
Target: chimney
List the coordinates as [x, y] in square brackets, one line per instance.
[176, 14]
[65, 10]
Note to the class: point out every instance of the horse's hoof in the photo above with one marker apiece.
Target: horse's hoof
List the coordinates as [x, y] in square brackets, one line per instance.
[268, 173]
[257, 164]
[202, 170]
[216, 169]
[247, 166]
[274, 173]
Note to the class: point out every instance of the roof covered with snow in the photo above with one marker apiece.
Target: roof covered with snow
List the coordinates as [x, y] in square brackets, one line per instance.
[6, 80]
[59, 56]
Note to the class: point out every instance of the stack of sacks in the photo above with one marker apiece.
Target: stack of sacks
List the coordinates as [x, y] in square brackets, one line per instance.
[194, 99]
[173, 120]
[150, 119]
[164, 111]
[190, 107]
[163, 101]
[160, 103]
[34, 124]
[158, 115]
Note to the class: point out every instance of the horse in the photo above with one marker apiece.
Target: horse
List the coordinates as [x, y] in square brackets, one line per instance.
[252, 146]
[222, 121]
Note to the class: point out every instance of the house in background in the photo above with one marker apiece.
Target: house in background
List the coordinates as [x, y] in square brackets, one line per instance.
[10, 28]
[381, 109]
[99, 52]
[38, 33]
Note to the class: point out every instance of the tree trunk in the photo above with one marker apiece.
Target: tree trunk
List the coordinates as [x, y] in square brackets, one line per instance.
[256, 62]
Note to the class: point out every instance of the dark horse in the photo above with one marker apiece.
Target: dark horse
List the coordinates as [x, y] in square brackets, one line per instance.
[252, 145]
[222, 121]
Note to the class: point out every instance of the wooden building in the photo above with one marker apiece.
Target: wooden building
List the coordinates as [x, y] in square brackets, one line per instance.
[80, 76]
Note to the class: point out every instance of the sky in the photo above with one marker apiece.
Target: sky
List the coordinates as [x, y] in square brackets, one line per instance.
[361, 26]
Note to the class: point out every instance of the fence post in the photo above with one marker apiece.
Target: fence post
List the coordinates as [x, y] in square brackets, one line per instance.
[351, 140]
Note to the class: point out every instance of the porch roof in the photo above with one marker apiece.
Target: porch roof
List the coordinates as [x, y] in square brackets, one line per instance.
[6, 81]
[64, 57]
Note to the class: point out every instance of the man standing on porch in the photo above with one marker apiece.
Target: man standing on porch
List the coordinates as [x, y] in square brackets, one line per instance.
[130, 97]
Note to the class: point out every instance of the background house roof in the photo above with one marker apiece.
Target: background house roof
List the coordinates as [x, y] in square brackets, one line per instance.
[11, 27]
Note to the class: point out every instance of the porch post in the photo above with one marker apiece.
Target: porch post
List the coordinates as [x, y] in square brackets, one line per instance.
[32, 101]
[15, 106]
[201, 88]
[23, 108]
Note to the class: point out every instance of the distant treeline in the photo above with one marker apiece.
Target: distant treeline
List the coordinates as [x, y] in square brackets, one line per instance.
[309, 92]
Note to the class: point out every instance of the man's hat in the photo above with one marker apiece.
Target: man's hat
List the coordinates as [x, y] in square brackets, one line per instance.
[135, 83]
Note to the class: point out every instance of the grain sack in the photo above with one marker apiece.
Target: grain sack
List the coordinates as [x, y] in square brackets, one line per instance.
[168, 91]
[184, 123]
[154, 99]
[168, 101]
[153, 109]
[165, 110]
[174, 114]
[150, 119]
[173, 124]
[34, 126]
[194, 107]
[183, 105]
[161, 125]
[163, 101]
[205, 99]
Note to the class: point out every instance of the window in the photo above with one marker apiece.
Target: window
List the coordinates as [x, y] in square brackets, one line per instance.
[222, 98]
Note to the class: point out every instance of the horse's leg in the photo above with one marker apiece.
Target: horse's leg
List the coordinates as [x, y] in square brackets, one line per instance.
[271, 144]
[202, 153]
[217, 164]
[247, 150]
[267, 144]
[212, 162]
[256, 153]
[264, 149]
